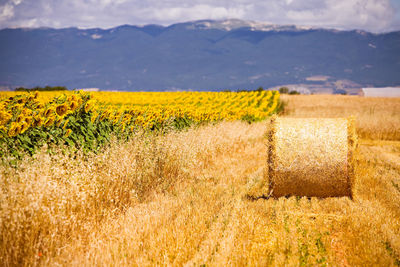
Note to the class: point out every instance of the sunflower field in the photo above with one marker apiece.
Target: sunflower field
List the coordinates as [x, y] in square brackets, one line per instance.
[88, 120]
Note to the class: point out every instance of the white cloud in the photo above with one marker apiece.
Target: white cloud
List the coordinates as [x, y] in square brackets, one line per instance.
[371, 15]
[363, 14]
[16, 2]
[195, 13]
[30, 23]
[6, 12]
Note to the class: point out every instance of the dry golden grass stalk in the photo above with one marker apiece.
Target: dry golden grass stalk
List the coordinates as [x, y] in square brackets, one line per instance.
[352, 143]
[311, 157]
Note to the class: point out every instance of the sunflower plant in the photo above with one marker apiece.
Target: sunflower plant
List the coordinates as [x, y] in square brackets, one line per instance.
[27, 124]
[87, 121]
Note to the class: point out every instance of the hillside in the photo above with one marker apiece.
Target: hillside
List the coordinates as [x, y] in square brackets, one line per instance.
[200, 55]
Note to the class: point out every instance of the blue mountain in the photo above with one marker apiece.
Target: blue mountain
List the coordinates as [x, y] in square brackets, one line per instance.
[200, 55]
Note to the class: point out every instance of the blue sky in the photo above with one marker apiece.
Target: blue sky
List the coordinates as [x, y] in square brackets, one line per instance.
[369, 15]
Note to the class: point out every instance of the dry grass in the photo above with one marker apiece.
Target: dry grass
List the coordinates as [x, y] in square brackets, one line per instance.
[377, 117]
[196, 197]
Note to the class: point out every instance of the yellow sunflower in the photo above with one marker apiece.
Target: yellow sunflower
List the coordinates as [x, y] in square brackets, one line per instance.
[48, 112]
[94, 117]
[28, 120]
[103, 116]
[67, 133]
[15, 129]
[4, 117]
[62, 109]
[115, 120]
[20, 118]
[73, 105]
[38, 121]
[59, 121]
[39, 105]
[24, 127]
[127, 118]
[49, 121]
[27, 112]
[89, 106]
[65, 124]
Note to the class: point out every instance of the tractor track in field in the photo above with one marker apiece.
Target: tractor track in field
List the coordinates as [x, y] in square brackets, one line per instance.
[216, 238]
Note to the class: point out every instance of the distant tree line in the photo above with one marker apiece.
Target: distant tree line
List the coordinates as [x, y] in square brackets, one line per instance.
[38, 88]
[339, 92]
[285, 90]
[282, 90]
[259, 89]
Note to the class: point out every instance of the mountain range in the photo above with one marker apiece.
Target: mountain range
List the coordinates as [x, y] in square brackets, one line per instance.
[200, 55]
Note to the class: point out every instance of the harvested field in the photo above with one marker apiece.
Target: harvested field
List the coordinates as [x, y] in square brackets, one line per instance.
[377, 117]
[203, 200]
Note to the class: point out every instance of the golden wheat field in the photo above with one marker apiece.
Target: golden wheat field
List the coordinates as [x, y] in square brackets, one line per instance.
[198, 197]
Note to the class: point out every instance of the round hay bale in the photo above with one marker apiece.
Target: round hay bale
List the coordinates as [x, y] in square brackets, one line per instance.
[311, 157]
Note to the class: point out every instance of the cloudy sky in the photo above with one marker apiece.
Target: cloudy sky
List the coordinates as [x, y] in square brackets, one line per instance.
[370, 15]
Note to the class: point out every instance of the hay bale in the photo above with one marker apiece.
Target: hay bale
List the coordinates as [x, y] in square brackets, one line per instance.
[311, 157]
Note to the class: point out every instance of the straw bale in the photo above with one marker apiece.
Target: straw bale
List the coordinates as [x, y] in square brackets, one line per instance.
[311, 157]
